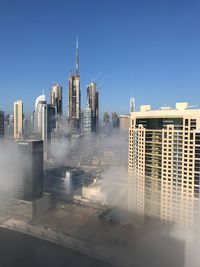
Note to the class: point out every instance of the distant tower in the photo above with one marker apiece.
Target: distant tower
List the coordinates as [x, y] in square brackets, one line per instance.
[106, 118]
[74, 98]
[56, 98]
[44, 120]
[48, 124]
[9, 126]
[93, 102]
[1, 124]
[115, 120]
[132, 104]
[26, 127]
[18, 119]
[77, 58]
[38, 116]
[87, 120]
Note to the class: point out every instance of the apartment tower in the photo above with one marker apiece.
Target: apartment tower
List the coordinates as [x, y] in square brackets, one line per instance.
[164, 163]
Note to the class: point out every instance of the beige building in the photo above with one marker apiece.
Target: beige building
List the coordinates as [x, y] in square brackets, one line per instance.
[124, 121]
[164, 163]
[18, 119]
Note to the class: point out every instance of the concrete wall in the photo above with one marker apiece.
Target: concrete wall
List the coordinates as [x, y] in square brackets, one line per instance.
[25, 210]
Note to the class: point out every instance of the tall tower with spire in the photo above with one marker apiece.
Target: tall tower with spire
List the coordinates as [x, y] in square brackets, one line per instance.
[77, 58]
[74, 98]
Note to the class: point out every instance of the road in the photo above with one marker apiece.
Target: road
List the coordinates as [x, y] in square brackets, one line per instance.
[98, 252]
[18, 249]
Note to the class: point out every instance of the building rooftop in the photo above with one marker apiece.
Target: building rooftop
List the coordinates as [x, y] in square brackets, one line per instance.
[181, 109]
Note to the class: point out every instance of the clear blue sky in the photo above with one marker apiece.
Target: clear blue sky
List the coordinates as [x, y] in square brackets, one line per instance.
[146, 49]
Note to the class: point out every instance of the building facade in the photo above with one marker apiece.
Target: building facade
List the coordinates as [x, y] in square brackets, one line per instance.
[124, 121]
[115, 120]
[48, 124]
[93, 102]
[44, 121]
[9, 127]
[56, 98]
[164, 163]
[18, 119]
[106, 118]
[1, 124]
[21, 194]
[39, 116]
[87, 120]
[29, 173]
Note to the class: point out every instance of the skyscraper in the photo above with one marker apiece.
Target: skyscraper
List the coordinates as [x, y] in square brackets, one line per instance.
[21, 191]
[18, 119]
[27, 127]
[29, 180]
[74, 98]
[164, 163]
[106, 118]
[115, 120]
[1, 124]
[38, 116]
[9, 127]
[87, 120]
[93, 102]
[44, 120]
[56, 98]
[48, 124]
[132, 105]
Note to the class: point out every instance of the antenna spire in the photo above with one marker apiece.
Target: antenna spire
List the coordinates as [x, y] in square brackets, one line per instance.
[77, 58]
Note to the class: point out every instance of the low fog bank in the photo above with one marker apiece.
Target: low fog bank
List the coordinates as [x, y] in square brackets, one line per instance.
[114, 186]
[108, 154]
[91, 145]
[149, 245]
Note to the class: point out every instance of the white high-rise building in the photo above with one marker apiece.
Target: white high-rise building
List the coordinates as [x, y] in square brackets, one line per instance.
[56, 98]
[38, 115]
[132, 105]
[87, 120]
[44, 120]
